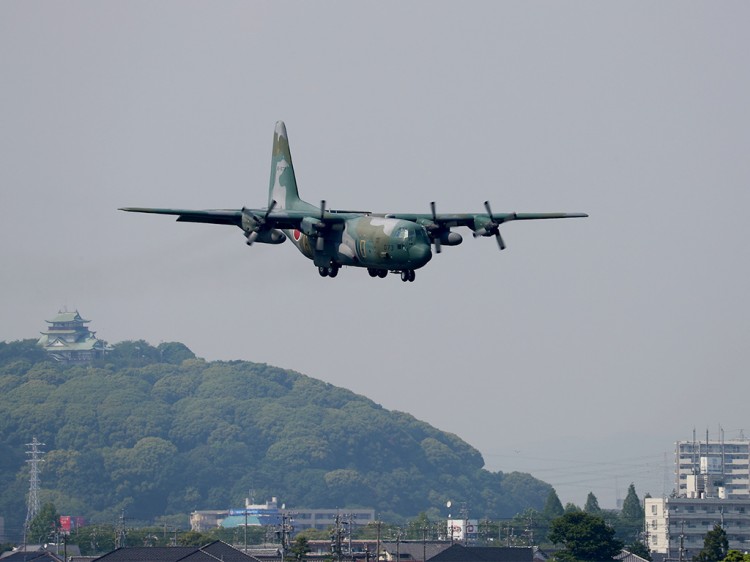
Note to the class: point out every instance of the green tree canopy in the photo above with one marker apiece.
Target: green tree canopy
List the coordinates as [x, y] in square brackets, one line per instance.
[300, 547]
[584, 537]
[553, 506]
[192, 538]
[639, 549]
[20, 350]
[715, 546]
[736, 556]
[154, 431]
[631, 520]
[592, 505]
[631, 508]
[42, 527]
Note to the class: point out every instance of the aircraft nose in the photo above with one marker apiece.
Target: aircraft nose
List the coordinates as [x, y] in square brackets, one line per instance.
[420, 254]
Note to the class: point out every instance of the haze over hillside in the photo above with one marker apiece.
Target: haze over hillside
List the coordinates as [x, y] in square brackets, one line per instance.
[155, 430]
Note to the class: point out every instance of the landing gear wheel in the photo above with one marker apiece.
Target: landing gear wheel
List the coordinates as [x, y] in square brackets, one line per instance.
[323, 271]
[412, 275]
[405, 276]
[382, 273]
[373, 272]
[333, 271]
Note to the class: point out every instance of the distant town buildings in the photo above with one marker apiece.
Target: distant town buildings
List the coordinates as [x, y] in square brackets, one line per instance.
[69, 339]
[269, 513]
[712, 486]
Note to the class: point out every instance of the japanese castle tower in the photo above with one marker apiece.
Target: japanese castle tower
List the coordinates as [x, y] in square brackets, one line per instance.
[69, 339]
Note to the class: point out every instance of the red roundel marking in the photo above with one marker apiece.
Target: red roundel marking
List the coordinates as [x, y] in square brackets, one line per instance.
[296, 234]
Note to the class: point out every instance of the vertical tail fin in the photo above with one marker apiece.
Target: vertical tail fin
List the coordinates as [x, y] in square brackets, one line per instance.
[282, 186]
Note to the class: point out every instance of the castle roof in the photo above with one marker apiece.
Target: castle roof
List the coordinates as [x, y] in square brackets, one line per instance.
[67, 317]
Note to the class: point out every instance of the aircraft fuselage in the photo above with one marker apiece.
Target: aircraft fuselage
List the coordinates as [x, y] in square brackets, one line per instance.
[378, 243]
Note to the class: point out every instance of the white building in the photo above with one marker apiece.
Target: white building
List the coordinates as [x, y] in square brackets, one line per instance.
[716, 468]
[712, 486]
[674, 523]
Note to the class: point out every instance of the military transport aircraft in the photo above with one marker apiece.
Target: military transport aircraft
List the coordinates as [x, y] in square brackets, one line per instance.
[389, 242]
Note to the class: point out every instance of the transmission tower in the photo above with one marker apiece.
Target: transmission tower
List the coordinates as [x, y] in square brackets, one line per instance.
[35, 460]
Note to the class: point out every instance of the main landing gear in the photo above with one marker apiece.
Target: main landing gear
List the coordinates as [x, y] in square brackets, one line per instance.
[330, 271]
[406, 274]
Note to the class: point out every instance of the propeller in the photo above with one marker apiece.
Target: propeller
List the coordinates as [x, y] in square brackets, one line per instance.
[259, 224]
[321, 241]
[492, 228]
[435, 227]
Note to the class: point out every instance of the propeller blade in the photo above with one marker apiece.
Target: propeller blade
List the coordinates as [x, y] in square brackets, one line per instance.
[270, 207]
[434, 229]
[500, 241]
[251, 237]
[489, 210]
[320, 244]
[322, 208]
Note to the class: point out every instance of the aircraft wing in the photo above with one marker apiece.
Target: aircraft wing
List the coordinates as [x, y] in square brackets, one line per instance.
[271, 220]
[475, 221]
[217, 216]
[438, 225]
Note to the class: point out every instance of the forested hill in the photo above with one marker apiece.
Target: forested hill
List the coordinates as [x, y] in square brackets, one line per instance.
[158, 431]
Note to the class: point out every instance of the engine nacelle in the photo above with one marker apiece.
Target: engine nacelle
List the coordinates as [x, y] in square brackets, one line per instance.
[310, 226]
[270, 237]
[450, 238]
[249, 223]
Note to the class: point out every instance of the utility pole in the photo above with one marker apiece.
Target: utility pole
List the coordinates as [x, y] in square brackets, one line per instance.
[32, 509]
[120, 535]
[285, 532]
[465, 517]
[531, 529]
[350, 517]
[336, 539]
[377, 554]
[398, 545]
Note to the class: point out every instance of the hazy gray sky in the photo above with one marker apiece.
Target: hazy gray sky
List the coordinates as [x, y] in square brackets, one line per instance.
[579, 354]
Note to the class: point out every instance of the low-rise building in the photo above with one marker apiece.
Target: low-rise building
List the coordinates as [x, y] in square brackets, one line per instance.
[269, 513]
[675, 524]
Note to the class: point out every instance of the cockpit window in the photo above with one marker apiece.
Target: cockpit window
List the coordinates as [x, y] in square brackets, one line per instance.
[402, 233]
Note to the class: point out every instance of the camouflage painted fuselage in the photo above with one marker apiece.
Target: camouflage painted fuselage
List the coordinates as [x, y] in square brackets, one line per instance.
[367, 241]
[382, 243]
